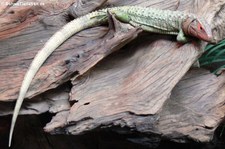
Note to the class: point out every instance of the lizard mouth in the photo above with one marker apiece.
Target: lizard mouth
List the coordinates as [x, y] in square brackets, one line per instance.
[208, 37]
[204, 37]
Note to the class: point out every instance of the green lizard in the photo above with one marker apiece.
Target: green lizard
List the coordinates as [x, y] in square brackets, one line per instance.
[153, 20]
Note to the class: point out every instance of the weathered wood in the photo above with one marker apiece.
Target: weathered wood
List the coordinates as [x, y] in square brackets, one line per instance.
[29, 35]
[130, 89]
[126, 86]
[195, 108]
[51, 101]
[72, 61]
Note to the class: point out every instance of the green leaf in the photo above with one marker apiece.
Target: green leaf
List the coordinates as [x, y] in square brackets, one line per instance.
[209, 62]
[213, 48]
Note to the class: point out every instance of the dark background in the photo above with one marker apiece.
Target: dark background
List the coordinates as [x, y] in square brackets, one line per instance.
[29, 134]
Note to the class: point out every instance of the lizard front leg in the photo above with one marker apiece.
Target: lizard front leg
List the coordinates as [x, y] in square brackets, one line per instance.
[181, 37]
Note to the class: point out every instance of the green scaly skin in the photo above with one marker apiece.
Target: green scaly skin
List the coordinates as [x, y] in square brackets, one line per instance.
[154, 20]
[149, 19]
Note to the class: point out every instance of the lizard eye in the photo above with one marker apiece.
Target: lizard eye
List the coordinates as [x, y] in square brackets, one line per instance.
[193, 20]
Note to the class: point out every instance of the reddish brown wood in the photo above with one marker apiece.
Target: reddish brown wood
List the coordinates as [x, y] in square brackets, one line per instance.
[130, 88]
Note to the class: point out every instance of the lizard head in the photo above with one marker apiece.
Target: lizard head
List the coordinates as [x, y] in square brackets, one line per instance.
[196, 28]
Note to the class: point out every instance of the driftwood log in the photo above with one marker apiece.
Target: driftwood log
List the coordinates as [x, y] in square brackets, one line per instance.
[145, 87]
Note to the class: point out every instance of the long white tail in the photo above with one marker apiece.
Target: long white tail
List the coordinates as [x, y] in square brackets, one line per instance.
[90, 20]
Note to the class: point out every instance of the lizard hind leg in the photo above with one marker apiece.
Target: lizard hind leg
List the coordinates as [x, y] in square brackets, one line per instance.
[114, 23]
[121, 16]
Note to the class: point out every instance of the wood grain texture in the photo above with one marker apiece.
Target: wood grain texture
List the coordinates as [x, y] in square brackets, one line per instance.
[138, 82]
[136, 87]
[195, 108]
[51, 101]
[15, 58]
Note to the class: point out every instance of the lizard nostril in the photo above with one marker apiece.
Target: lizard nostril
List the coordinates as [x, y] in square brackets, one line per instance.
[11, 12]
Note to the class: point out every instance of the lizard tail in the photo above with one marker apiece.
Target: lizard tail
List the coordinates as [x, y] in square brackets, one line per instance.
[87, 21]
